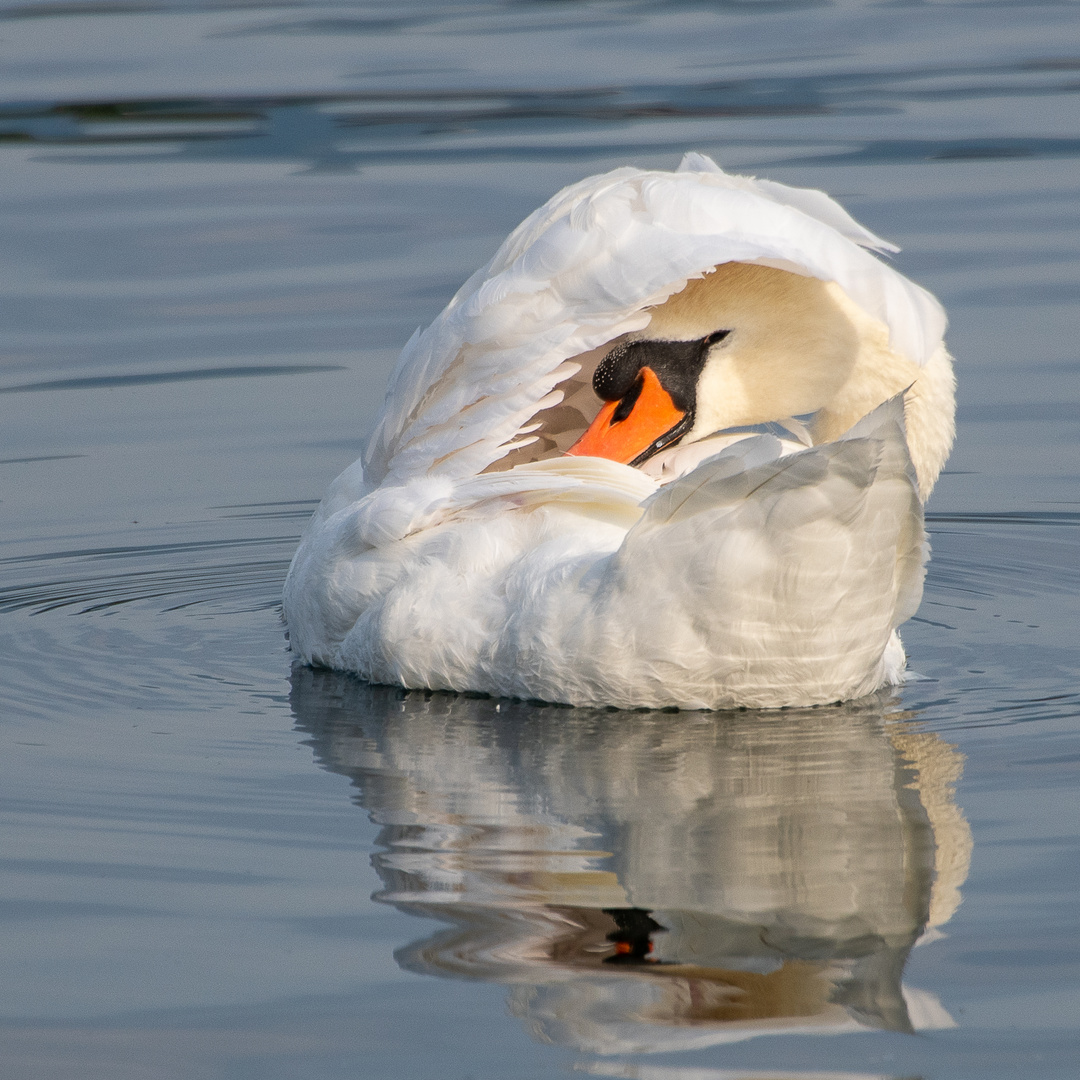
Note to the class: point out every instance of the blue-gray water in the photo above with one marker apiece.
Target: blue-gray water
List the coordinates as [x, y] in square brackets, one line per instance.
[220, 221]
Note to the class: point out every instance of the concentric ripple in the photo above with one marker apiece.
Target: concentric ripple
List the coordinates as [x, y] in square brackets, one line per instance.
[219, 574]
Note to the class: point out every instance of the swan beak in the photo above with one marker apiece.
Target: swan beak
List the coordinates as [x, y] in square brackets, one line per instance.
[654, 421]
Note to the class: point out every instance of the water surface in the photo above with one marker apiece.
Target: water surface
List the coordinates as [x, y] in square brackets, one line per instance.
[221, 221]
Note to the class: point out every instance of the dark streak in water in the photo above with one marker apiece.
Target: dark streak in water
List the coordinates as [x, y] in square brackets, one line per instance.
[896, 151]
[346, 131]
[149, 378]
[273, 515]
[44, 457]
[1011, 517]
[133, 7]
[327, 25]
[260, 506]
[149, 550]
[424, 14]
[276, 511]
[930, 622]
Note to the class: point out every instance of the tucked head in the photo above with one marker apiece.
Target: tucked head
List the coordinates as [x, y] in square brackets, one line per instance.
[743, 345]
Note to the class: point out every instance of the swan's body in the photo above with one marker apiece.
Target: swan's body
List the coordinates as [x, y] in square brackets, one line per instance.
[468, 551]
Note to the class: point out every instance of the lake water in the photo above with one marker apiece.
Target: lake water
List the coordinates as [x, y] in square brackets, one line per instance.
[220, 222]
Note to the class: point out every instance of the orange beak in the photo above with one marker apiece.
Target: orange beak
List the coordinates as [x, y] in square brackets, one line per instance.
[654, 414]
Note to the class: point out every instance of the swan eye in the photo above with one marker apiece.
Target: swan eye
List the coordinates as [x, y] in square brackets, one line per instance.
[715, 338]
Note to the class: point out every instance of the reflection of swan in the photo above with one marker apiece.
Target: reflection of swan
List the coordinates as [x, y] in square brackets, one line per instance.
[680, 561]
[661, 881]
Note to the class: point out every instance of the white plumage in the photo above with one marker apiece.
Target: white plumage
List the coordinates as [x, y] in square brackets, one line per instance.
[729, 569]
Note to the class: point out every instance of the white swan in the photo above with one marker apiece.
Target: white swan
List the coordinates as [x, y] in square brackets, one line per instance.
[687, 565]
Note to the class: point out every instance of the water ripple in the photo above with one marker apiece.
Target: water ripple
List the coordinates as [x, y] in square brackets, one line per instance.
[348, 130]
[148, 378]
[249, 580]
[1018, 517]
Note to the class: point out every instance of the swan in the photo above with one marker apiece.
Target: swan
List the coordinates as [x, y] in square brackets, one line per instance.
[667, 449]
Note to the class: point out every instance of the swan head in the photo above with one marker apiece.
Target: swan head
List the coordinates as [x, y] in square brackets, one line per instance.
[745, 344]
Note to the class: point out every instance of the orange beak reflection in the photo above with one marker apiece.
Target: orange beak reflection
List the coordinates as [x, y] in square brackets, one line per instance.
[652, 417]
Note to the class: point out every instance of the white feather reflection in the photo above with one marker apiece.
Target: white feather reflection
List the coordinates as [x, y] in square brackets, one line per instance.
[657, 881]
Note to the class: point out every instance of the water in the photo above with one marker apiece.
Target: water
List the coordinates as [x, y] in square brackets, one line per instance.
[221, 221]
